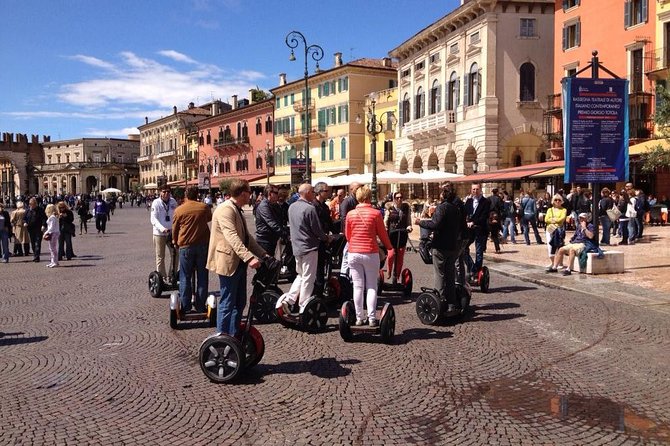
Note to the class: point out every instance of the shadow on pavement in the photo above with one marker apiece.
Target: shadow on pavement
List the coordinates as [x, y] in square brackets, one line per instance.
[418, 334]
[496, 306]
[494, 317]
[326, 368]
[5, 341]
[511, 289]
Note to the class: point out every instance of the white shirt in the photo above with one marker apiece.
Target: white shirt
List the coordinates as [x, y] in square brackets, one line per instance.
[162, 214]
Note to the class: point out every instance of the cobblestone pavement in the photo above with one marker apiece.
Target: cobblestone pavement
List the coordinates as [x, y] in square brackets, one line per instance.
[87, 356]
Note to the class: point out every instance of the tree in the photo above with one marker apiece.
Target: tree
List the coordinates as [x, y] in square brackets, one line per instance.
[658, 157]
[224, 185]
[258, 95]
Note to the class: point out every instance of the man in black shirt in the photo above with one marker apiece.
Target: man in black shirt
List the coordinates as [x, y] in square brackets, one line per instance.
[477, 208]
[269, 224]
[35, 220]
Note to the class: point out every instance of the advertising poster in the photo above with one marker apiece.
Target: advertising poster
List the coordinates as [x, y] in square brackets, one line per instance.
[595, 130]
[298, 170]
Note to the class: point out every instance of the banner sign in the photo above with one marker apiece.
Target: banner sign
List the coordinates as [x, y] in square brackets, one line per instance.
[595, 130]
[298, 171]
[203, 180]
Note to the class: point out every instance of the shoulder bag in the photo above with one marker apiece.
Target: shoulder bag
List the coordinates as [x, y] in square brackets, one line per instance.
[613, 214]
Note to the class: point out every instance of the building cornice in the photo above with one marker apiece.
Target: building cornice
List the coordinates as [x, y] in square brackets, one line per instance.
[331, 73]
[252, 109]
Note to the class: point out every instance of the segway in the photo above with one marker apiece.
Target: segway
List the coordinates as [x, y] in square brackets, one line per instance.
[348, 327]
[481, 279]
[222, 357]
[337, 287]
[287, 271]
[432, 309]
[177, 316]
[404, 283]
[312, 317]
[157, 286]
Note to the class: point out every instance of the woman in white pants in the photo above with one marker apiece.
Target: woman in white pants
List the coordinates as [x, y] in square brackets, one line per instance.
[364, 225]
[53, 231]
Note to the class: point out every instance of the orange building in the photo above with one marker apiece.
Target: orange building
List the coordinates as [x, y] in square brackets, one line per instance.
[237, 143]
[624, 33]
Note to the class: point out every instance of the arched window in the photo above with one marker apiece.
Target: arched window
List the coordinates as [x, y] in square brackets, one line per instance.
[268, 125]
[259, 126]
[209, 138]
[405, 110]
[419, 105]
[473, 82]
[245, 131]
[343, 148]
[527, 82]
[435, 94]
[239, 131]
[278, 157]
[323, 150]
[454, 93]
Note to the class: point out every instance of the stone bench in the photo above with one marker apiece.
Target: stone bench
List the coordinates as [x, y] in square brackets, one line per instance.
[612, 263]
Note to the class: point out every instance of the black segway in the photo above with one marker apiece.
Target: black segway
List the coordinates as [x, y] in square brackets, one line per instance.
[157, 286]
[348, 327]
[432, 309]
[177, 316]
[337, 286]
[313, 316]
[287, 271]
[402, 284]
[222, 357]
[481, 279]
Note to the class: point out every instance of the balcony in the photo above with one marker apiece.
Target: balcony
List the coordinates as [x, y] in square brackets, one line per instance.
[299, 107]
[657, 63]
[145, 158]
[437, 124]
[298, 136]
[381, 157]
[231, 143]
[166, 154]
[554, 103]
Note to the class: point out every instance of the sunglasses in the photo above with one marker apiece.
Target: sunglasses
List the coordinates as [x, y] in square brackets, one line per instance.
[398, 198]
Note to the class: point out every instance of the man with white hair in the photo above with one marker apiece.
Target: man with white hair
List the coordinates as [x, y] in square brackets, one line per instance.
[306, 234]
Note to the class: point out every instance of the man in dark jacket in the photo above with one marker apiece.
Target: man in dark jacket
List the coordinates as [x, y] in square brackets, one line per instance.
[35, 220]
[477, 209]
[321, 193]
[269, 225]
[446, 226]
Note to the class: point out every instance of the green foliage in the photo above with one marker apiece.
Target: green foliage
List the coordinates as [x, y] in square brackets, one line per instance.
[656, 159]
[258, 95]
[224, 185]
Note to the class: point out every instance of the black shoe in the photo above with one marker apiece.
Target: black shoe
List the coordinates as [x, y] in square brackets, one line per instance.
[551, 269]
[566, 272]
[451, 308]
[36, 260]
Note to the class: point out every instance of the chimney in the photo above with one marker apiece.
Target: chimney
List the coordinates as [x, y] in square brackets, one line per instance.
[386, 62]
[251, 95]
[234, 102]
[215, 108]
[146, 120]
[191, 105]
[338, 60]
[174, 110]
[282, 79]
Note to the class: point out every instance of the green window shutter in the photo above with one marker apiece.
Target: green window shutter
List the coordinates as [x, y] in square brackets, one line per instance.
[292, 125]
[346, 113]
[339, 85]
[331, 150]
[323, 150]
[565, 38]
[466, 90]
[321, 118]
[319, 90]
[339, 114]
[346, 83]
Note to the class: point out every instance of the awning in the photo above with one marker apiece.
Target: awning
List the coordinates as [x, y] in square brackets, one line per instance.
[177, 183]
[150, 186]
[275, 179]
[555, 172]
[643, 147]
[511, 173]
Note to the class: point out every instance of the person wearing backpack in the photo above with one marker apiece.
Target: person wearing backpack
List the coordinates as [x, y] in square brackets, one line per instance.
[529, 210]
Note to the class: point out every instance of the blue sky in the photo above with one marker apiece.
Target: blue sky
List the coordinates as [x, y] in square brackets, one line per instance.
[89, 68]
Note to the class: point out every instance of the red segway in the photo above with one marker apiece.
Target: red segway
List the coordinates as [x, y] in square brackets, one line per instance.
[402, 284]
[385, 316]
[222, 358]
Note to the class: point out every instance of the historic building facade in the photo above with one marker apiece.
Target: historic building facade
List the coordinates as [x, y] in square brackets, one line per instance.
[473, 86]
[88, 165]
[164, 144]
[334, 99]
[238, 143]
[18, 158]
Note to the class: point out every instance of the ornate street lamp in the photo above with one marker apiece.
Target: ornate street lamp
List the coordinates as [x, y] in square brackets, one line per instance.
[268, 159]
[376, 125]
[293, 39]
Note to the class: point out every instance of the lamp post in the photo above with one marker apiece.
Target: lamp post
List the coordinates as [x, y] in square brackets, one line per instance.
[375, 126]
[268, 159]
[293, 39]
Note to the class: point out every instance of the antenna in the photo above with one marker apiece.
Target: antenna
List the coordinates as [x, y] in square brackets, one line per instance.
[351, 53]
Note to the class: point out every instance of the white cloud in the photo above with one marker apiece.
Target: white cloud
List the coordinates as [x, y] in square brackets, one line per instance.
[175, 55]
[93, 61]
[123, 133]
[104, 115]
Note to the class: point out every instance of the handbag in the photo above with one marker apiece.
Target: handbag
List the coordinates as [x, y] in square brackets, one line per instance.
[613, 214]
[425, 246]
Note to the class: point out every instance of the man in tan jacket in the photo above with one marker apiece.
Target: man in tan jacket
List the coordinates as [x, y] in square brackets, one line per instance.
[231, 249]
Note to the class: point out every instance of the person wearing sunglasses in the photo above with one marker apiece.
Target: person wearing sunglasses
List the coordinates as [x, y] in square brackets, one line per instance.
[397, 218]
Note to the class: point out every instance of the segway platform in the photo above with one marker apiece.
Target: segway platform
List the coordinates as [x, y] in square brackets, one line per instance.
[348, 327]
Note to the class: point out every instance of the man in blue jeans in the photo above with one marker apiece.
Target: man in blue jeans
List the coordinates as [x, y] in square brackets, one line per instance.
[476, 209]
[191, 236]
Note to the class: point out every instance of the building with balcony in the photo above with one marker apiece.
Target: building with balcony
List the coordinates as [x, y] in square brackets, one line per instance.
[88, 165]
[334, 99]
[164, 144]
[238, 143]
[386, 110]
[472, 88]
[626, 49]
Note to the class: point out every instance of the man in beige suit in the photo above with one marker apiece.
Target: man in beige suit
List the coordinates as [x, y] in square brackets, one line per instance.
[231, 249]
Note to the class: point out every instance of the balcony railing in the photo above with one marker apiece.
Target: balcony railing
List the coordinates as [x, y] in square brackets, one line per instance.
[299, 106]
[436, 124]
[554, 103]
[657, 60]
[299, 135]
[230, 142]
[145, 158]
[381, 157]
[166, 154]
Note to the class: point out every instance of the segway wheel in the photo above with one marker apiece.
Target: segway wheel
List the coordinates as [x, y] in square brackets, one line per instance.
[429, 308]
[254, 346]
[380, 283]
[407, 281]
[315, 315]
[347, 319]
[221, 358]
[156, 284]
[387, 324]
[174, 319]
[484, 278]
[264, 309]
[463, 296]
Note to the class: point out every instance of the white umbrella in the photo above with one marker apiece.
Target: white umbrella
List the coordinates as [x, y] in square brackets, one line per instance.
[436, 176]
[111, 190]
[149, 186]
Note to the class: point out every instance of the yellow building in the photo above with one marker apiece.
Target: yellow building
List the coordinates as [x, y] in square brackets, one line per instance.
[658, 68]
[336, 96]
[385, 106]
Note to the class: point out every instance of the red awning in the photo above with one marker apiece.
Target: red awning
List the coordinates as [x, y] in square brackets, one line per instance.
[511, 173]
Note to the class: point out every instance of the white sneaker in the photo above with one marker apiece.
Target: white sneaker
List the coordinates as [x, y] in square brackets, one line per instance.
[373, 322]
[359, 322]
[285, 308]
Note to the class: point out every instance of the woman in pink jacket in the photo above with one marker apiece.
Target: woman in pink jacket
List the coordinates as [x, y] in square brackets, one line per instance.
[364, 225]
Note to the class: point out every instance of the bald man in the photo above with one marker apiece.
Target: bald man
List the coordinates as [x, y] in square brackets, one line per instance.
[306, 234]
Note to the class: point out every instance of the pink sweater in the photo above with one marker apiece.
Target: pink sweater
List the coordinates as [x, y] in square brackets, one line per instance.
[364, 225]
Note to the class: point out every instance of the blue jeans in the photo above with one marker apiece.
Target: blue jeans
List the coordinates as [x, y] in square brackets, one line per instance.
[532, 221]
[4, 240]
[193, 258]
[480, 249]
[232, 301]
[606, 223]
[633, 230]
[508, 228]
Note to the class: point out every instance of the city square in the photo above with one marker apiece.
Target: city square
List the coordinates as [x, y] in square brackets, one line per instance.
[88, 357]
